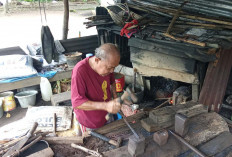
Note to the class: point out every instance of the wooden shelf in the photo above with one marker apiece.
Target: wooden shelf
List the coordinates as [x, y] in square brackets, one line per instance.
[33, 81]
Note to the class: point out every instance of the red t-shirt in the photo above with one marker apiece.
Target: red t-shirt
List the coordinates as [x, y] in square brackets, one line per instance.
[88, 85]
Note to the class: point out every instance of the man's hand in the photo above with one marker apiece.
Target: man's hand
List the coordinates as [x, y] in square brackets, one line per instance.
[113, 106]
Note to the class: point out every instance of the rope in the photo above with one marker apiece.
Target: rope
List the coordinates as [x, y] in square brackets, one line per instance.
[41, 13]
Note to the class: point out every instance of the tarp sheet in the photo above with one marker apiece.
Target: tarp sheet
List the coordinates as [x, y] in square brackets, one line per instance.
[48, 74]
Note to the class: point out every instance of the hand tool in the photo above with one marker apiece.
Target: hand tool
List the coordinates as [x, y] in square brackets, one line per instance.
[187, 144]
[16, 153]
[54, 124]
[104, 138]
[133, 131]
[20, 144]
[134, 81]
[161, 137]
[125, 95]
[92, 152]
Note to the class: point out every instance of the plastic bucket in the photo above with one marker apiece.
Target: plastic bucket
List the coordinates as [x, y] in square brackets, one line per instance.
[1, 109]
[8, 101]
[73, 58]
[120, 81]
[26, 98]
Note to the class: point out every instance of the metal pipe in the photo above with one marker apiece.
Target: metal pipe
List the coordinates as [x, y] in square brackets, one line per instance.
[187, 144]
[124, 118]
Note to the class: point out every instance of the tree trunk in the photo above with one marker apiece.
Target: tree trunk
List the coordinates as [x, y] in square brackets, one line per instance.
[66, 19]
[6, 8]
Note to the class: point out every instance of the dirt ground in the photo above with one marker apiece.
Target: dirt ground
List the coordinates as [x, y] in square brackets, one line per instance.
[90, 143]
[22, 25]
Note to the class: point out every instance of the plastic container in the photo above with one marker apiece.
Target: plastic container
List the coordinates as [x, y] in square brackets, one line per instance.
[73, 58]
[26, 98]
[88, 55]
[46, 89]
[120, 81]
[1, 109]
[8, 101]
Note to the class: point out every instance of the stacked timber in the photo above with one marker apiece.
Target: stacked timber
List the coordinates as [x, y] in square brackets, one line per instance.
[165, 117]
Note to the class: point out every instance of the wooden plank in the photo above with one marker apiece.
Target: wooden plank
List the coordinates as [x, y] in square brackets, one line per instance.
[61, 75]
[162, 61]
[149, 125]
[63, 140]
[195, 92]
[19, 84]
[33, 81]
[172, 49]
[174, 75]
[217, 144]
[120, 123]
[165, 117]
[61, 97]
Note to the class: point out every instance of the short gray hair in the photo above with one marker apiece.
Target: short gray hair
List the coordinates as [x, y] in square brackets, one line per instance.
[104, 50]
[100, 53]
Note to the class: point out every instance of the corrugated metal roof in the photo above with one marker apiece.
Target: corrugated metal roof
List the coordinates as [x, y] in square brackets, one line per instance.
[83, 44]
[216, 79]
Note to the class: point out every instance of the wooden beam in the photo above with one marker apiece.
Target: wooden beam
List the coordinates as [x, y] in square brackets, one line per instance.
[162, 61]
[174, 75]
[63, 140]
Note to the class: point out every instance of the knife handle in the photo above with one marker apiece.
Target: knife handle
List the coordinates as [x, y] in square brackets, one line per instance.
[32, 130]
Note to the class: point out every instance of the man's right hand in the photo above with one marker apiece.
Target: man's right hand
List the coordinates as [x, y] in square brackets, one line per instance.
[113, 106]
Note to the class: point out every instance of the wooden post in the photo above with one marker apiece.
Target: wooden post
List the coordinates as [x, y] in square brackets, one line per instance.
[195, 92]
[65, 20]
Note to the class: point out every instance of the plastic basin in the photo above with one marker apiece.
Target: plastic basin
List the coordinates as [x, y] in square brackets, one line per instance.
[26, 98]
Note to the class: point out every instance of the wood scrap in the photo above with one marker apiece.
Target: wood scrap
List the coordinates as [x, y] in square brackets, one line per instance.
[63, 140]
[165, 117]
[43, 153]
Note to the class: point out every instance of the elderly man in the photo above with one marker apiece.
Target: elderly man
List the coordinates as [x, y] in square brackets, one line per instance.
[92, 85]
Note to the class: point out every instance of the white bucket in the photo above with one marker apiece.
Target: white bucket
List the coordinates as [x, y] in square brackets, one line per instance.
[26, 98]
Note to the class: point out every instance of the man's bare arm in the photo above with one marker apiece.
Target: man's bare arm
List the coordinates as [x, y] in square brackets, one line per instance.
[112, 106]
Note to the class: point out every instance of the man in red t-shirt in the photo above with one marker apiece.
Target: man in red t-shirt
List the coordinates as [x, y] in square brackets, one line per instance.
[92, 85]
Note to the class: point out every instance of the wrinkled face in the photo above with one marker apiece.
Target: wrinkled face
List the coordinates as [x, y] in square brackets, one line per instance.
[106, 66]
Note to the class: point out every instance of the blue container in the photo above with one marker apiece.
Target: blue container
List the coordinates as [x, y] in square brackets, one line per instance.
[88, 55]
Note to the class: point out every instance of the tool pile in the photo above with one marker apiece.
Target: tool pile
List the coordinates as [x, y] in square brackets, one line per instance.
[202, 23]
[17, 146]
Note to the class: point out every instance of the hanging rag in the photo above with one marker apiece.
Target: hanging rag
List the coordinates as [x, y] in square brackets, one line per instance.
[47, 41]
[127, 32]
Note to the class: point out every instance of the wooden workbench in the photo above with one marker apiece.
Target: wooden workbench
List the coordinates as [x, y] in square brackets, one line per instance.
[33, 81]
